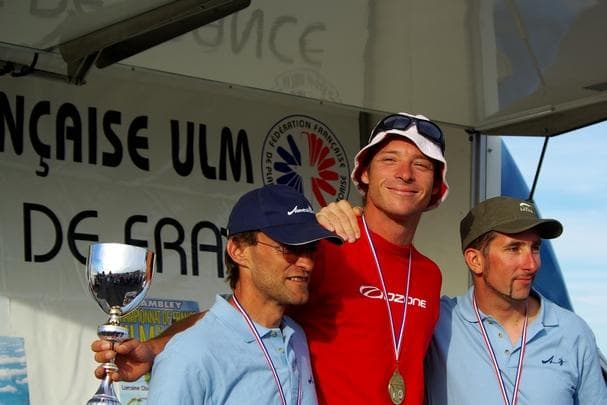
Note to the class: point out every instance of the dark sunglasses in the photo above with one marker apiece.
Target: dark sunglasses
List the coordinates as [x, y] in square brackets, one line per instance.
[293, 252]
[401, 122]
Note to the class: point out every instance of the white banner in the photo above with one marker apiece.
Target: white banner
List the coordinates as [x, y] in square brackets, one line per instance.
[153, 161]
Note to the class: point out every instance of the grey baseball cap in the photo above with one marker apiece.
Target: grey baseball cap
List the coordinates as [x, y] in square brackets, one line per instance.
[506, 215]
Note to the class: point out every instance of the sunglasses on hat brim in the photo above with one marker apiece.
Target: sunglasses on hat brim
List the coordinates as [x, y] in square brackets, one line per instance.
[426, 128]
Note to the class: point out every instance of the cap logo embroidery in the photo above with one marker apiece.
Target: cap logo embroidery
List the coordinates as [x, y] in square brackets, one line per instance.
[524, 207]
[297, 210]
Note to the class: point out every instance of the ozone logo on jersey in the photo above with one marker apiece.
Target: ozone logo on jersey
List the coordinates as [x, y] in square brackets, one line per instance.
[375, 293]
[304, 153]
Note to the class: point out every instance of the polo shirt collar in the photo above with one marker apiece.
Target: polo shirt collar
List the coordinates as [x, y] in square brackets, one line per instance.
[235, 321]
[546, 314]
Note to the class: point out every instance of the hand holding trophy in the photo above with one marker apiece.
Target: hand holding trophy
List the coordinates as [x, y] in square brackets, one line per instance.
[119, 277]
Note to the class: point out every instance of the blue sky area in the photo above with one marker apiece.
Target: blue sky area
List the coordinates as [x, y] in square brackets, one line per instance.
[572, 188]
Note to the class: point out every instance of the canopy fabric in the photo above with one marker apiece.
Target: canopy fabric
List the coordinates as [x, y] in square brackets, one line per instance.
[499, 67]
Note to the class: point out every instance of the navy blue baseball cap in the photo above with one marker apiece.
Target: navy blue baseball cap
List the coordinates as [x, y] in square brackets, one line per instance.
[282, 213]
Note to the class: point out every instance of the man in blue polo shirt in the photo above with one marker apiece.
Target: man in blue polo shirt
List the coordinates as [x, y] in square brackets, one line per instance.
[502, 342]
[245, 350]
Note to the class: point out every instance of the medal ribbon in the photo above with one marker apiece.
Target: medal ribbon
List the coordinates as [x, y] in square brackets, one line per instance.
[519, 370]
[396, 343]
[262, 346]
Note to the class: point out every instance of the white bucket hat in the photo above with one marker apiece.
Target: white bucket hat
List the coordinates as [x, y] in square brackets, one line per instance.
[430, 142]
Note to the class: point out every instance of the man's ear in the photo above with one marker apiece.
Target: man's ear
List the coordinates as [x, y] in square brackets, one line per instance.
[474, 259]
[364, 176]
[436, 189]
[437, 184]
[237, 252]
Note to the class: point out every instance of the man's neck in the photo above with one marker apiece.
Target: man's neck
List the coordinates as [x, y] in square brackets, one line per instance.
[261, 311]
[399, 231]
[509, 313]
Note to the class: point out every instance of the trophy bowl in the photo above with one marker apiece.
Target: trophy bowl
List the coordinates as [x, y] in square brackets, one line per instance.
[119, 276]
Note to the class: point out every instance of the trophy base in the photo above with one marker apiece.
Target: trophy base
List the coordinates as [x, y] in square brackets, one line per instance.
[105, 395]
[103, 400]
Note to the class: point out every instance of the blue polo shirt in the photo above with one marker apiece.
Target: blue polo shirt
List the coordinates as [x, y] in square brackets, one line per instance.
[561, 364]
[218, 361]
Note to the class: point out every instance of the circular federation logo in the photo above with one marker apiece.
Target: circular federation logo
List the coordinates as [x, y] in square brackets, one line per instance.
[304, 153]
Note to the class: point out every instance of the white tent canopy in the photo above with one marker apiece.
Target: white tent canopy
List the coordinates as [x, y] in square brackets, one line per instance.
[503, 66]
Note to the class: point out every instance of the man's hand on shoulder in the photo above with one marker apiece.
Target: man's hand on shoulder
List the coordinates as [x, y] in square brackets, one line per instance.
[341, 217]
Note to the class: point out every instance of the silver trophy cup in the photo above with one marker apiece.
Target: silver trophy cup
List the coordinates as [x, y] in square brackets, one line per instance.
[119, 276]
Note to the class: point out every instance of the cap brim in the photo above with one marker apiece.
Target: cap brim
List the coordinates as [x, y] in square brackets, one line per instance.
[547, 228]
[300, 234]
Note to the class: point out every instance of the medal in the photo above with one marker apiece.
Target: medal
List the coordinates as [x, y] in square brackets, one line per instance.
[396, 388]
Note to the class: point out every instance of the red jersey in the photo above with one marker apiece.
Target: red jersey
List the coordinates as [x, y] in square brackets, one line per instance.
[347, 323]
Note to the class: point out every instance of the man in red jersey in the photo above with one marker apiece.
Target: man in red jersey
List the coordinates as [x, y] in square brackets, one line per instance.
[366, 346]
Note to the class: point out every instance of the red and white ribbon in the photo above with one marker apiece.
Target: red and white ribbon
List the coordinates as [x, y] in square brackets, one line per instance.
[519, 370]
[262, 346]
[396, 342]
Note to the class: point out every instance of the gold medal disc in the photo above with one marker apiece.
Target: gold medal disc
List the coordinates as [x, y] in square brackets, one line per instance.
[396, 388]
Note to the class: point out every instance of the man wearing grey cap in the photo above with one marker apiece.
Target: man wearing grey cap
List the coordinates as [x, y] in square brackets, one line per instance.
[503, 342]
[245, 350]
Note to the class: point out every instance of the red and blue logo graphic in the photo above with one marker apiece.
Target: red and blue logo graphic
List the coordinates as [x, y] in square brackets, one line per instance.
[305, 154]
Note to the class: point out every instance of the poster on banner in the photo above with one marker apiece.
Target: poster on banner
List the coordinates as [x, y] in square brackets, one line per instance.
[152, 317]
[14, 389]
